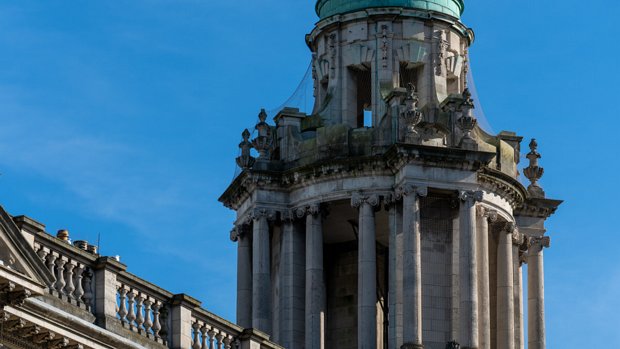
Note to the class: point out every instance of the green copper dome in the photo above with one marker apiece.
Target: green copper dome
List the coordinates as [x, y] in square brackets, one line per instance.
[326, 8]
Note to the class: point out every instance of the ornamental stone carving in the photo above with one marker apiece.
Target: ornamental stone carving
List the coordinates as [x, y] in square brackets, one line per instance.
[471, 196]
[509, 227]
[411, 115]
[359, 198]
[410, 189]
[245, 160]
[485, 212]
[261, 212]
[263, 143]
[534, 172]
[466, 121]
[537, 243]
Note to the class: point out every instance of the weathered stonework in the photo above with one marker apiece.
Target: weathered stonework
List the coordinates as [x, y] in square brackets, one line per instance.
[394, 126]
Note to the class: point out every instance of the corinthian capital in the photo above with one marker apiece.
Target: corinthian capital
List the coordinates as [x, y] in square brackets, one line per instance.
[410, 189]
[262, 212]
[312, 209]
[509, 228]
[486, 213]
[470, 195]
[518, 237]
[359, 198]
[537, 243]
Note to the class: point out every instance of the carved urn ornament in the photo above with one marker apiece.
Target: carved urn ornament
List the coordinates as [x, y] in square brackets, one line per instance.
[412, 115]
[534, 172]
[264, 141]
[245, 160]
[467, 121]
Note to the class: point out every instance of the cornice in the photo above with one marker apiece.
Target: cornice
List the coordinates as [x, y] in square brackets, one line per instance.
[503, 184]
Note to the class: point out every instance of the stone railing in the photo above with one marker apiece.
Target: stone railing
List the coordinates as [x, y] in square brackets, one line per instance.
[71, 268]
[100, 288]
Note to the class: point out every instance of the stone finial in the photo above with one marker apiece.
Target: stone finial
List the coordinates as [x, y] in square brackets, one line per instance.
[534, 172]
[264, 141]
[411, 115]
[467, 121]
[245, 160]
[63, 234]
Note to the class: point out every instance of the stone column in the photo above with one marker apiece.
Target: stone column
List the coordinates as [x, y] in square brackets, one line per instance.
[261, 271]
[315, 280]
[244, 275]
[395, 277]
[505, 300]
[412, 267]
[292, 271]
[367, 271]
[484, 306]
[536, 293]
[517, 293]
[469, 270]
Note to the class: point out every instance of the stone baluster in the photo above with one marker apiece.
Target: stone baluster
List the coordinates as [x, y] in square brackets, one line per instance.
[51, 266]
[122, 308]
[367, 270]
[139, 311]
[261, 271]
[315, 285]
[412, 267]
[69, 285]
[227, 342]
[60, 276]
[131, 305]
[505, 280]
[211, 338]
[468, 266]
[78, 278]
[156, 322]
[218, 338]
[536, 293]
[204, 330]
[88, 289]
[196, 335]
[485, 216]
[148, 322]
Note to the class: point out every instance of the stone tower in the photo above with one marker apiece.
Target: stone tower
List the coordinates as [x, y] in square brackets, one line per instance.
[387, 218]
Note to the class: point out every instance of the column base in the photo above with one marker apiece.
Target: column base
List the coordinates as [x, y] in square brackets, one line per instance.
[411, 346]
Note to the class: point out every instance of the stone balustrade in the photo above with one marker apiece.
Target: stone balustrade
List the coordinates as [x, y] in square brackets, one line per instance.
[211, 332]
[132, 307]
[71, 268]
[142, 307]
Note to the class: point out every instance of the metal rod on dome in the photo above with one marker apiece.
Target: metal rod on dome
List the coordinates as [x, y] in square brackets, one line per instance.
[483, 122]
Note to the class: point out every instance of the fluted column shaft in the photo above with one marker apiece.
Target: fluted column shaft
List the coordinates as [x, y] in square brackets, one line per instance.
[469, 270]
[367, 272]
[505, 300]
[536, 294]
[412, 268]
[484, 306]
[244, 276]
[261, 273]
[315, 282]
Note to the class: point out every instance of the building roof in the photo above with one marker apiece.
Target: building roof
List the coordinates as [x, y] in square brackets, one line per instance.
[327, 8]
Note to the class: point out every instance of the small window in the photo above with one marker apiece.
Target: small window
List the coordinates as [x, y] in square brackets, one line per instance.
[367, 117]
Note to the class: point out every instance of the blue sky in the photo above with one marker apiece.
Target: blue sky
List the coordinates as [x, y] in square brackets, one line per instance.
[123, 118]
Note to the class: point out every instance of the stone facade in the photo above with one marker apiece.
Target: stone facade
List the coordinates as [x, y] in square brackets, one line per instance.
[57, 294]
[411, 219]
